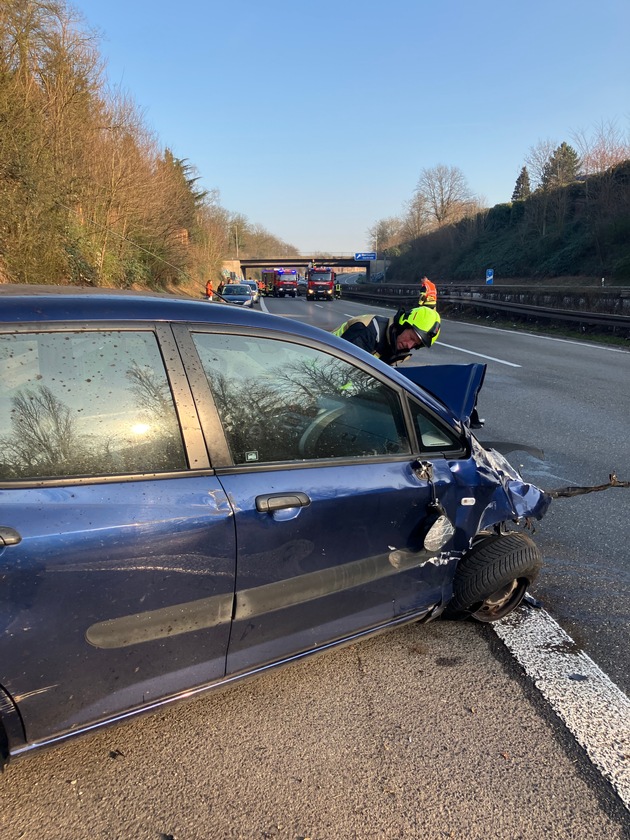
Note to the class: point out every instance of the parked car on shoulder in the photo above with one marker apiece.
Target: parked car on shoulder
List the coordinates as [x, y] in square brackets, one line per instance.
[191, 494]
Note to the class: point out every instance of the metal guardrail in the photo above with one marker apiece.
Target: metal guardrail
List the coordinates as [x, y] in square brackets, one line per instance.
[602, 319]
[408, 296]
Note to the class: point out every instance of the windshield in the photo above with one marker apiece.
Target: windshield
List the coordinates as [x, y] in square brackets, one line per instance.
[236, 290]
[320, 276]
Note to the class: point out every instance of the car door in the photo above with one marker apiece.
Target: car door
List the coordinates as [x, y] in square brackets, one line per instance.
[116, 558]
[329, 502]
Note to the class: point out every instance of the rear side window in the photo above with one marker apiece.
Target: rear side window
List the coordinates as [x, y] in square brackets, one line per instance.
[280, 401]
[85, 404]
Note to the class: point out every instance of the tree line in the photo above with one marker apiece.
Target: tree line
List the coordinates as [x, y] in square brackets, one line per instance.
[569, 214]
[87, 195]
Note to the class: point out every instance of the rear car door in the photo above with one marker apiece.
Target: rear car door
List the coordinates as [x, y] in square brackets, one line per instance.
[117, 546]
[329, 502]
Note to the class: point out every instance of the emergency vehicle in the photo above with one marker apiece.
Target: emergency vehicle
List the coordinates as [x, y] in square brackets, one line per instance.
[279, 282]
[320, 283]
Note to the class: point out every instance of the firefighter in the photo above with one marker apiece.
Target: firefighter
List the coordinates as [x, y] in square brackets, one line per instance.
[428, 293]
[337, 290]
[392, 339]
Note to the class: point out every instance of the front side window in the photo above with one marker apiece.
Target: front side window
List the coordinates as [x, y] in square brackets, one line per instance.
[85, 404]
[280, 401]
[433, 436]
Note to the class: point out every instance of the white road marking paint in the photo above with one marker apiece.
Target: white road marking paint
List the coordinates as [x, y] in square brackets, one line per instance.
[481, 355]
[593, 708]
[550, 338]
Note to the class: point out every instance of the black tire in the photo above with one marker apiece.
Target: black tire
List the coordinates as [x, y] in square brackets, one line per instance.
[492, 578]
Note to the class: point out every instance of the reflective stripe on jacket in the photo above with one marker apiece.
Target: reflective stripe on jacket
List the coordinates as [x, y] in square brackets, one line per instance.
[372, 333]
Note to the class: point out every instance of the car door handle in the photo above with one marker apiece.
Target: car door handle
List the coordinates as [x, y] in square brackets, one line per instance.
[9, 536]
[279, 501]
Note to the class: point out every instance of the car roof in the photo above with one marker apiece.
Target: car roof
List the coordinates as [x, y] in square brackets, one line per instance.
[20, 303]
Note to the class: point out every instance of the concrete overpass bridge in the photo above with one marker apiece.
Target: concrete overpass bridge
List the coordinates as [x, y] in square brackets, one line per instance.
[306, 260]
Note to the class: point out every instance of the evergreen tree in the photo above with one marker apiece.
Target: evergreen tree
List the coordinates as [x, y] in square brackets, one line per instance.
[562, 168]
[522, 188]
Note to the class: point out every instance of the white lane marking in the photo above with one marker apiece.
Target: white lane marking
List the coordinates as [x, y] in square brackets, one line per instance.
[481, 355]
[593, 708]
[547, 337]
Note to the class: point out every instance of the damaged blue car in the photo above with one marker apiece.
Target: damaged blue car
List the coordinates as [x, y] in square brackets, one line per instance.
[190, 494]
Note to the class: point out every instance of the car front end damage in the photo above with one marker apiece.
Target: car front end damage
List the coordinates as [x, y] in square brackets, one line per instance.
[488, 499]
[514, 499]
[485, 501]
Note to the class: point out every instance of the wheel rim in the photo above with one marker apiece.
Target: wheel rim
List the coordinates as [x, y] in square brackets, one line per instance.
[501, 602]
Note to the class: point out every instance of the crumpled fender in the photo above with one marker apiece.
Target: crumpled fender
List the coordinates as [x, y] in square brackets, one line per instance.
[513, 498]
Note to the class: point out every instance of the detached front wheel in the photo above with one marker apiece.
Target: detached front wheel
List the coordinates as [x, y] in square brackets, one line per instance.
[492, 578]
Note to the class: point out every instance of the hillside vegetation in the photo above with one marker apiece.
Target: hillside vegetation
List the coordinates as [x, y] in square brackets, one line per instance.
[87, 195]
[578, 230]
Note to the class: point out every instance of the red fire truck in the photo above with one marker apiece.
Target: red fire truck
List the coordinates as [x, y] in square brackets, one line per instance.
[279, 282]
[320, 283]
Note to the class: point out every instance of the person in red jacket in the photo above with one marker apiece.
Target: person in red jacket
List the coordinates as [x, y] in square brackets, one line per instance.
[209, 290]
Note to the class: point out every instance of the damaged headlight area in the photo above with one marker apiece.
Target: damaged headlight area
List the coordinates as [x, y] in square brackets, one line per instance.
[515, 498]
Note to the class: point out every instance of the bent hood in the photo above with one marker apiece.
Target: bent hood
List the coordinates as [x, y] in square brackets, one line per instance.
[457, 386]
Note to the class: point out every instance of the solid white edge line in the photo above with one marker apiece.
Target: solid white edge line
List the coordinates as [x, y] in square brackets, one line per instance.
[593, 708]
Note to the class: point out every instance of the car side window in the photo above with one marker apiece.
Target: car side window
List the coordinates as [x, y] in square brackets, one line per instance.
[432, 435]
[85, 403]
[280, 401]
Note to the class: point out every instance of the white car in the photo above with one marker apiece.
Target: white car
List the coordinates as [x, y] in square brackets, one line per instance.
[254, 287]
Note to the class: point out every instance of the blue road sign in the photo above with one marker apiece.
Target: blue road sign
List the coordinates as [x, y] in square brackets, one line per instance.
[489, 276]
[368, 256]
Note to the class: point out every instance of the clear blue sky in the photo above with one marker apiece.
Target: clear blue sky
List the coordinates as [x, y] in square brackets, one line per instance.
[314, 118]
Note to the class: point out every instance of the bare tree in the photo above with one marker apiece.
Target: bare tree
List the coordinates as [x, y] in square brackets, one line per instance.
[445, 193]
[385, 233]
[537, 159]
[417, 218]
[606, 147]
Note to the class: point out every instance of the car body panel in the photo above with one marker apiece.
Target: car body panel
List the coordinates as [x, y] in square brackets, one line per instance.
[113, 574]
[308, 584]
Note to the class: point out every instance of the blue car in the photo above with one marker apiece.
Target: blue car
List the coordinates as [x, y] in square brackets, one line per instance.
[239, 293]
[190, 494]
